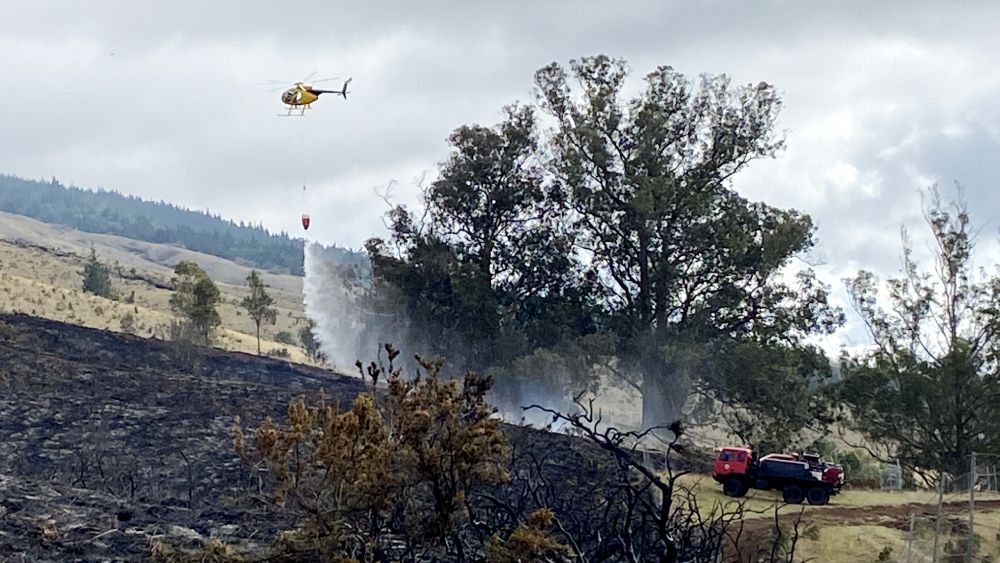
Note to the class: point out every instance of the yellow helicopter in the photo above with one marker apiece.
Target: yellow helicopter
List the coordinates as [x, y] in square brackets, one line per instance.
[301, 95]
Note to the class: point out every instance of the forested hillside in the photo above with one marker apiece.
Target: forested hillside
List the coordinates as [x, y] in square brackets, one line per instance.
[110, 212]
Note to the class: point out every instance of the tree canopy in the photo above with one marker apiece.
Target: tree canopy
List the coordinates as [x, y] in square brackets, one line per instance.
[486, 275]
[97, 277]
[687, 265]
[259, 305]
[929, 388]
[196, 297]
[614, 238]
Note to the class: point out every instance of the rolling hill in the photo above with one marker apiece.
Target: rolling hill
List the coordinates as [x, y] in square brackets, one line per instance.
[110, 212]
[40, 267]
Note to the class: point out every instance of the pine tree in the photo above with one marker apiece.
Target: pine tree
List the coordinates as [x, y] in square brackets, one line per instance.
[96, 276]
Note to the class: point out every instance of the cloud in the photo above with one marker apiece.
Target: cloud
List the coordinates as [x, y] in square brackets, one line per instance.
[879, 100]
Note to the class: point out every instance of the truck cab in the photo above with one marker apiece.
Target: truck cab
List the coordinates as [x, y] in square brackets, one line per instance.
[732, 461]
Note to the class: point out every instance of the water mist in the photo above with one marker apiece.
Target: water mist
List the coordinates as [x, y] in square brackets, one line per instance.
[329, 300]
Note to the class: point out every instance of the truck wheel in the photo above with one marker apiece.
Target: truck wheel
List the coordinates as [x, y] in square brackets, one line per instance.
[792, 494]
[818, 495]
[734, 487]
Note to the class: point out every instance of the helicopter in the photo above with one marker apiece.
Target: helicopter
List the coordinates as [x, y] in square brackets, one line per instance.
[301, 95]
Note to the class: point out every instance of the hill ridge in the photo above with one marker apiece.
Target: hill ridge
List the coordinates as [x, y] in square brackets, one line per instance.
[111, 212]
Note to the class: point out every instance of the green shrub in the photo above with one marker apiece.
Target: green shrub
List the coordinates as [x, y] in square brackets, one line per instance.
[285, 337]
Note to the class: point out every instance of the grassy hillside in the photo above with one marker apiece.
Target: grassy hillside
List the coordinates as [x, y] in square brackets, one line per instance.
[40, 269]
[860, 524]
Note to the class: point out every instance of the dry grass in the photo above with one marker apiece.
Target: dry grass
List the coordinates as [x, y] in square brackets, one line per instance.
[44, 284]
[880, 521]
[848, 544]
[709, 494]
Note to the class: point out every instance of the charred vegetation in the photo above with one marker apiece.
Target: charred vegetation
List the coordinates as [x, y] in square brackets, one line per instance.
[114, 449]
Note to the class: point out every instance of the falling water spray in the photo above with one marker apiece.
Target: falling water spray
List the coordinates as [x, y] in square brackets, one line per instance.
[329, 302]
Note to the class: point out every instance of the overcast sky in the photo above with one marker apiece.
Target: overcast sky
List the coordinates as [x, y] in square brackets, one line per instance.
[167, 100]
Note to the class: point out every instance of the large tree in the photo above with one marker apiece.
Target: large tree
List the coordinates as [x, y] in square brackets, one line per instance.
[930, 386]
[691, 269]
[486, 273]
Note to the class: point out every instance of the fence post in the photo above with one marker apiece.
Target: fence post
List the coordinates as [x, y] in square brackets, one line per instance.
[937, 519]
[909, 541]
[972, 505]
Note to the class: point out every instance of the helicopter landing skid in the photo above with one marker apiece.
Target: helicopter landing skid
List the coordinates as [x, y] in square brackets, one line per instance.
[293, 113]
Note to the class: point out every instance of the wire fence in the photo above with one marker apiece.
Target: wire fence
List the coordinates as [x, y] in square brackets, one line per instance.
[960, 521]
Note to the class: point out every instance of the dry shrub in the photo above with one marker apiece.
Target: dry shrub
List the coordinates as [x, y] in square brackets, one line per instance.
[213, 551]
[127, 323]
[279, 353]
[531, 541]
[185, 342]
[387, 478]
[179, 331]
[7, 332]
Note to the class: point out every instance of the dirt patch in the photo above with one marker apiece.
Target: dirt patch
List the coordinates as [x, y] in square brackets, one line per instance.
[892, 516]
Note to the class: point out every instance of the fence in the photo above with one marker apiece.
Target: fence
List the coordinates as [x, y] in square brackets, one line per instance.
[952, 524]
[891, 478]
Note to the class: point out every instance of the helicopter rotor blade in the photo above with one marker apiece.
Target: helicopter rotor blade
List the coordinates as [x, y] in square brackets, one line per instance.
[277, 81]
[291, 83]
[274, 85]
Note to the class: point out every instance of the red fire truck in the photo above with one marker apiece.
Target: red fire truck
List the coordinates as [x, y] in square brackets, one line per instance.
[798, 477]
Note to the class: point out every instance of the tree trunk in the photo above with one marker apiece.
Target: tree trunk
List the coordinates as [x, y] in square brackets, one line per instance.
[663, 397]
[258, 339]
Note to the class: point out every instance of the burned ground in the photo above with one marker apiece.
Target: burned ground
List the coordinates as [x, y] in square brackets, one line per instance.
[111, 440]
[112, 443]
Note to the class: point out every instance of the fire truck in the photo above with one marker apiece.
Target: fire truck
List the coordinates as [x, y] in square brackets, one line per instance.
[798, 477]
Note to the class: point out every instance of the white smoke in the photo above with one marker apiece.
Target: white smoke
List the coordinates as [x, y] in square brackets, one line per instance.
[347, 332]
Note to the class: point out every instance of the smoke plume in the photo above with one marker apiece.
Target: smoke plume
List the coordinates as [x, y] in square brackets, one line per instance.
[348, 332]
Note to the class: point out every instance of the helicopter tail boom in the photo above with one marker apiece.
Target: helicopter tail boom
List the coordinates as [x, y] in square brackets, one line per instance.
[343, 91]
